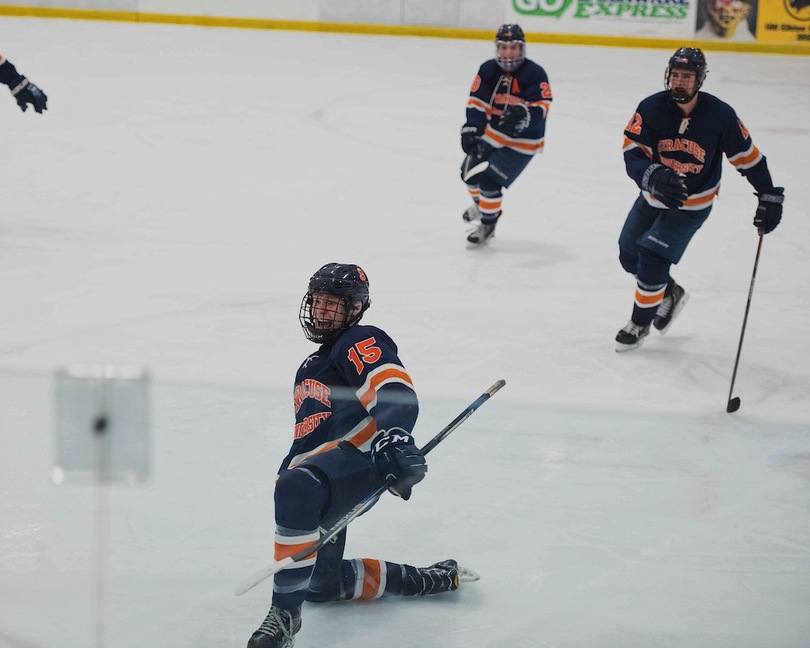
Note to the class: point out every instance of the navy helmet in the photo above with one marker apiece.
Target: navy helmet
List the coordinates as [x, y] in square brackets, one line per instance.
[686, 58]
[344, 280]
[510, 33]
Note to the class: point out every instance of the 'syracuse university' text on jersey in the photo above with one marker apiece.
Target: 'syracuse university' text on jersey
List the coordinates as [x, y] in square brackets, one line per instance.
[693, 146]
[347, 391]
[493, 90]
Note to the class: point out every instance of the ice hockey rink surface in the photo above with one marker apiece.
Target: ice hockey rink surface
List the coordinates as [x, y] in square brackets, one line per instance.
[166, 212]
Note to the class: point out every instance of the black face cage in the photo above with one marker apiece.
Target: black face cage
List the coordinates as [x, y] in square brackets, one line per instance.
[700, 76]
[510, 64]
[322, 336]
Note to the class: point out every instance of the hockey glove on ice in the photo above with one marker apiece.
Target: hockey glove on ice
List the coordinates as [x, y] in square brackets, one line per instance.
[396, 457]
[769, 210]
[27, 93]
[21, 88]
[515, 120]
[665, 185]
[470, 139]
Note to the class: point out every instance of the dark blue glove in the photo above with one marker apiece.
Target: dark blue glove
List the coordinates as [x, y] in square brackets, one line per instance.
[26, 93]
[514, 120]
[396, 457]
[769, 210]
[470, 137]
[665, 185]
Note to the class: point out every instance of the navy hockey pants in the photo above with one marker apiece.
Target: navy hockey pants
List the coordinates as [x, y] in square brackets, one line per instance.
[651, 240]
[662, 232]
[317, 493]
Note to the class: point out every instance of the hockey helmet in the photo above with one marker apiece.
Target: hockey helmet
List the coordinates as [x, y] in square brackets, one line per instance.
[344, 280]
[686, 58]
[510, 33]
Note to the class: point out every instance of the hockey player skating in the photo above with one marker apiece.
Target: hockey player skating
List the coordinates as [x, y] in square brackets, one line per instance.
[355, 409]
[21, 88]
[505, 127]
[673, 150]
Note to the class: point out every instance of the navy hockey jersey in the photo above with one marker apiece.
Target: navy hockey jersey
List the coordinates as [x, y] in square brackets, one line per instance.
[493, 90]
[8, 73]
[347, 391]
[693, 146]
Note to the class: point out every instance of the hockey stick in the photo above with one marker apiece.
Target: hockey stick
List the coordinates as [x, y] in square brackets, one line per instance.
[734, 403]
[251, 581]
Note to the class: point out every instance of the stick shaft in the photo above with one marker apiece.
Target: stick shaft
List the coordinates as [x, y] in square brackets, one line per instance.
[745, 317]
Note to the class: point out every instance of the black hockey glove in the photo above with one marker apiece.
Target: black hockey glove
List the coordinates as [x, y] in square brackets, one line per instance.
[665, 185]
[26, 93]
[515, 120]
[470, 138]
[769, 210]
[396, 457]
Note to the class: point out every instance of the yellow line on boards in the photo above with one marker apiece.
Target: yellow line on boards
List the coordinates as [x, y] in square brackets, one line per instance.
[392, 30]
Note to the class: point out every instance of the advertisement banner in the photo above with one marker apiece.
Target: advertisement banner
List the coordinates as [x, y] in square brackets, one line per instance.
[728, 20]
[784, 21]
[630, 18]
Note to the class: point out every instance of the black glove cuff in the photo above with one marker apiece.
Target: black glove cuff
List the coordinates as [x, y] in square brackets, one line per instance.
[389, 438]
[20, 87]
[645, 179]
[774, 195]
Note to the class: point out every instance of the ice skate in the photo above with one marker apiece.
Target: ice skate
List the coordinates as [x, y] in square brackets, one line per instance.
[443, 576]
[277, 630]
[631, 336]
[481, 234]
[473, 214]
[670, 308]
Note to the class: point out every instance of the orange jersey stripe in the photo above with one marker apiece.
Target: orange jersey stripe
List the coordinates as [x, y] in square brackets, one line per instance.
[377, 379]
[747, 159]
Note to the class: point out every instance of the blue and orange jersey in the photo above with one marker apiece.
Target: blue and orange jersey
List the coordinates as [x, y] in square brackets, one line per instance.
[347, 391]
[493, 90]
[692, 145]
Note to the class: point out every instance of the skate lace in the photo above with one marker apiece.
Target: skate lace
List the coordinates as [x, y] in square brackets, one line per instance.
[666, 306]
[274, 625]
[635, 329]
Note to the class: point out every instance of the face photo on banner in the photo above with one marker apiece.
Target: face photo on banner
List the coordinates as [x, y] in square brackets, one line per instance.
[727, 20]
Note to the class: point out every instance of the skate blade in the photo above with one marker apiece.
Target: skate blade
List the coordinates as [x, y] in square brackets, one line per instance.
[675, 314]
[621, 348]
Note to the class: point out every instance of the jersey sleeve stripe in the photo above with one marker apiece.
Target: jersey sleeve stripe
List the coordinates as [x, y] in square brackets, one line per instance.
[389, 373]
[629, 145]
[478, 104]
[746, 159]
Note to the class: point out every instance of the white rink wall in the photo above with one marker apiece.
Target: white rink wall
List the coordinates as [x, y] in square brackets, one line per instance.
[471, 14]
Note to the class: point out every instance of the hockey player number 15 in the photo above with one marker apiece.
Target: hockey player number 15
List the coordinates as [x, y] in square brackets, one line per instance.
[364, 352]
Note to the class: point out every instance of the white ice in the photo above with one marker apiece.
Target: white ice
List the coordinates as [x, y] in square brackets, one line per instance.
[167, 211]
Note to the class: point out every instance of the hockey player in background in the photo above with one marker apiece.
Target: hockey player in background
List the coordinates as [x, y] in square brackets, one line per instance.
[355, 409]
[673, 150]
[21, 88]
[505, 127]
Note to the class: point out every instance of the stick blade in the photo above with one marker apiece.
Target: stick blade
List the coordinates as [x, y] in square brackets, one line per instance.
[254, 579]
[474, 171]
[733, 404]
